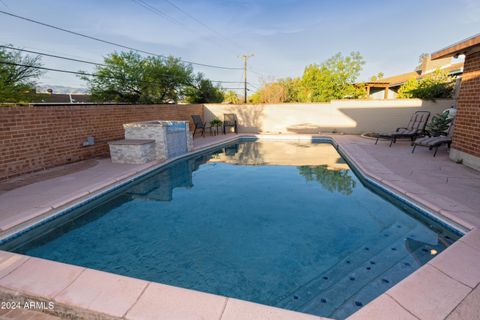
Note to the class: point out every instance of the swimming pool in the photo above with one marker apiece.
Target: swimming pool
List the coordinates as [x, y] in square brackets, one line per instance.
[282, 223]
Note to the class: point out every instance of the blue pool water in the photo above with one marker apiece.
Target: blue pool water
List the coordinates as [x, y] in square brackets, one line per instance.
[286, 224]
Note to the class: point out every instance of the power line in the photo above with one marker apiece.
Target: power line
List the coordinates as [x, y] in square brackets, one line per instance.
[113, 43]
[257, 73]
[81, 72]
[84, 61]
[47, 69]
[201, 22]
[159, 12]
[53, 56]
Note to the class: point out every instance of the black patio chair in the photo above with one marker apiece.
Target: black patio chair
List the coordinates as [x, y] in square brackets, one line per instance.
[414, 129]
[199, 124]
[229, 120]
[435, 142]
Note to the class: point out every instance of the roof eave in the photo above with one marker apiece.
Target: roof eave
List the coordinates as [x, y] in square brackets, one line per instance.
[456, 49]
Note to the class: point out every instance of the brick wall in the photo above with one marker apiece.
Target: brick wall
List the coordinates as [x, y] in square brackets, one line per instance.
[34, 138]
[466, 136]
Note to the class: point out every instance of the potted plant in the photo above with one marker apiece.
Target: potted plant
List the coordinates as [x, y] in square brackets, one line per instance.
[214, 125]
[439, 125]
[216, 122]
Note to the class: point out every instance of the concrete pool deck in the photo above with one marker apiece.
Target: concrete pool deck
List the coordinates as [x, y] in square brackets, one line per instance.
[445, 288]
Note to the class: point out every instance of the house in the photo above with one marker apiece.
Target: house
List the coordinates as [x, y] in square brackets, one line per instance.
[387, 88]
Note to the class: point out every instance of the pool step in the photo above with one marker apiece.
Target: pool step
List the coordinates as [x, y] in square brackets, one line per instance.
[363, 284]
[385, 280]
[335, 289]
[296, 299]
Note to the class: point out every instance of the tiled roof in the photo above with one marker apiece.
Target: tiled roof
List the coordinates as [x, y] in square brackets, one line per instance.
[457, 48]
[401, 78]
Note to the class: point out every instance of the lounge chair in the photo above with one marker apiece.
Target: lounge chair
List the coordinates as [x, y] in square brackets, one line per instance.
[414, 129]
[435, 142]
[230, 120]
[199, 124]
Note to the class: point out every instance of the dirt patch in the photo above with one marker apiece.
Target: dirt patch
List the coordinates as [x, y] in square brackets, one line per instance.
[29, 178]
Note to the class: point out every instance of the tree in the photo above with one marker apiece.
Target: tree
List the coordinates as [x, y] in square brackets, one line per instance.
[291, 87]
[436, 85]
[17, 74]
[273, 92]
[203, 91]
[333, 79]
[281, 91]
[231, 97]
[332, 180]
[376, 77]
[130, 77]
[405, 90]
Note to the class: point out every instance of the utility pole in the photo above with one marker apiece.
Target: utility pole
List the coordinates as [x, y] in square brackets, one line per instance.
[245, 60]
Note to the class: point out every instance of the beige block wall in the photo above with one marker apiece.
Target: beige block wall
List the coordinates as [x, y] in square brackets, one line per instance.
[348, 116]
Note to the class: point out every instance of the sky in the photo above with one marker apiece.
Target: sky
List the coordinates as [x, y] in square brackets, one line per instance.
[284, 35]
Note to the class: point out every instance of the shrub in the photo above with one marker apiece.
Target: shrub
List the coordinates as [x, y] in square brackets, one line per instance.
[231, 97]
[333, 79]
[434, 86]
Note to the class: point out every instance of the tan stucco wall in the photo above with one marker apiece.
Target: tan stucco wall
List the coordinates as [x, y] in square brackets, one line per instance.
[348, 116]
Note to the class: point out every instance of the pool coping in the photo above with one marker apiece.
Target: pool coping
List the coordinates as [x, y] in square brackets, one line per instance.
[447, 271]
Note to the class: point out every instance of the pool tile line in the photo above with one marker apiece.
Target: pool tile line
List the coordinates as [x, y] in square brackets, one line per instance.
[416, 197]
[424, 207]
[359, 167]
[75, 199]
[73, 204]
[427, 209]
[391, 189]
[120, 182]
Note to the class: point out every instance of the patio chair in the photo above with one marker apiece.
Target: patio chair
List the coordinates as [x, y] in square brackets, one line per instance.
[229, 120]
[435, 142]
[414, 129]
[199, 124]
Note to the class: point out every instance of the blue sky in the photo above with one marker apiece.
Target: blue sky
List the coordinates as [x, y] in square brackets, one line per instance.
[284, 35]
